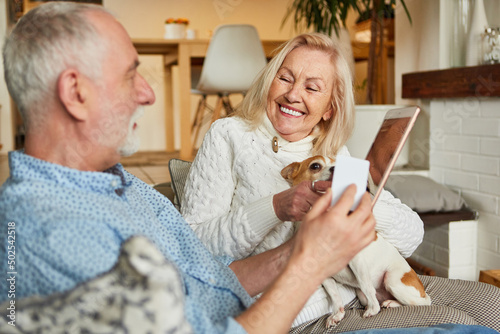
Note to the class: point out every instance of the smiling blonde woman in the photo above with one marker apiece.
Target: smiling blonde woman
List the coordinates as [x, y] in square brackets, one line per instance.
[239, 205]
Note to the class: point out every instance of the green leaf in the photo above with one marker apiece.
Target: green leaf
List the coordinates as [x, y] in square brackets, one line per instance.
[327, 15]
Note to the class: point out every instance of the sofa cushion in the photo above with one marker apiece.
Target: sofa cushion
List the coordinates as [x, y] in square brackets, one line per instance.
[142, 293]
[423, 194]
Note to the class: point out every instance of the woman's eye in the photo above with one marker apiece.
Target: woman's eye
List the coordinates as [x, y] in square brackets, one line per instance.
[312, 89]
[315, 166]
[284, 79]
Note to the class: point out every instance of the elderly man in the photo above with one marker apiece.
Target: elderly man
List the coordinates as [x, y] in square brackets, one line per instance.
[72, 70]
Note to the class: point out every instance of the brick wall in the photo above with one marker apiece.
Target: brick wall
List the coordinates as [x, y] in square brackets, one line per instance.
[465, 155]
[450, 249]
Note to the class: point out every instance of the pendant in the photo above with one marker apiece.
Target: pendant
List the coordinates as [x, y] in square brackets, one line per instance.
[275, 144]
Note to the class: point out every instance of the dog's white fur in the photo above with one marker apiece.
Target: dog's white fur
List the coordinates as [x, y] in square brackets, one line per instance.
[379, 273]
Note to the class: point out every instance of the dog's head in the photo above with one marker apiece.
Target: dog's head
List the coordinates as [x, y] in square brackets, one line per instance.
[315, 168]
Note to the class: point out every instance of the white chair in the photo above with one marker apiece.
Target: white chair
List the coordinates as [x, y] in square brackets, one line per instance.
[234, 58]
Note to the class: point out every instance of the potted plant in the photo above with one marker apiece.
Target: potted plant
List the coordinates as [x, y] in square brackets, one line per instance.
[328, 16]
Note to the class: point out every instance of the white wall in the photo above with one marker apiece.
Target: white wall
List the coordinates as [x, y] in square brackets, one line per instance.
[416, 49]
[462, 135]
[465, 155]
[145, 19]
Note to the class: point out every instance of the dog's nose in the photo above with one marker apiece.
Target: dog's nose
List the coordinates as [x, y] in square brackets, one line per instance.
[332, 169]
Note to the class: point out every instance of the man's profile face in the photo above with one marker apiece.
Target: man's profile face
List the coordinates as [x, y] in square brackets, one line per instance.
[121, 92]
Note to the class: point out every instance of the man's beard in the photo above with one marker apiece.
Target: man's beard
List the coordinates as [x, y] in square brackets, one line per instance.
[132, 142]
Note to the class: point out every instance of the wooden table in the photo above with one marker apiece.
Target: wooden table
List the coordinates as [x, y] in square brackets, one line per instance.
[182, 52]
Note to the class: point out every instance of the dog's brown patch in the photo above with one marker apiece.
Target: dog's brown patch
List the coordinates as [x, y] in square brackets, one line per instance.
[296, 172]
[411, 279]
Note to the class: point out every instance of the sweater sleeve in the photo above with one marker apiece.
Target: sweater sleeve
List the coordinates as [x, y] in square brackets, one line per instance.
[208, 196]
[398, 224]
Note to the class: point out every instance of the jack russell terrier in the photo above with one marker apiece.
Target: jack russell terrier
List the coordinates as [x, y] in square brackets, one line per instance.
[380, 275]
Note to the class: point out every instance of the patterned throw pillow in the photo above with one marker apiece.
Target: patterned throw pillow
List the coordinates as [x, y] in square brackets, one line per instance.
[143, 293]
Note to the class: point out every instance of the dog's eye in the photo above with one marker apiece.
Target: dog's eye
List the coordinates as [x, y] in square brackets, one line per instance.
[315, 166]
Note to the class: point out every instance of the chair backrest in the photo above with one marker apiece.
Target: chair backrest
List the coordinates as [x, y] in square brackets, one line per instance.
[234, 58]
[179, 170]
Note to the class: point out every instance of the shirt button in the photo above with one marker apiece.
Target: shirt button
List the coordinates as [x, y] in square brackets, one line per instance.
[114, 183]
[212, 281]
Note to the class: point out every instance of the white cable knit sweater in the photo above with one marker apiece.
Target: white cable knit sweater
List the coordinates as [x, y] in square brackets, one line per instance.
[229, 191]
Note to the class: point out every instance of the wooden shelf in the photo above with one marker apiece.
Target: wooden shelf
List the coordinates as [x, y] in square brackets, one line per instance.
[438, 218]
[474, 81]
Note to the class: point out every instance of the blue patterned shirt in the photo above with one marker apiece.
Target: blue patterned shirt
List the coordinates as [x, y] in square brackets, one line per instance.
[70, 224]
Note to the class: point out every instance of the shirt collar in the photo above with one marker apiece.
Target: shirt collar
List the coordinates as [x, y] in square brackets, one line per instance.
[26, 167]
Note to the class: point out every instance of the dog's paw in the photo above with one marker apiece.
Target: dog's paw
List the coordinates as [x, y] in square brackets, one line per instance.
[371, 311]
[334, 319]
[391, 303]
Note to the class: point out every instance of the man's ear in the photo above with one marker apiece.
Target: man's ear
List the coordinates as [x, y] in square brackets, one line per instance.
[73, 93]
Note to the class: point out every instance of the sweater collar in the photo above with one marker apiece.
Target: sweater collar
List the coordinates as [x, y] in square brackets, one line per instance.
[270, 132]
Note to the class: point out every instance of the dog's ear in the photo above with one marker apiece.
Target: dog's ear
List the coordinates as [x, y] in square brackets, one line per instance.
[290, 171]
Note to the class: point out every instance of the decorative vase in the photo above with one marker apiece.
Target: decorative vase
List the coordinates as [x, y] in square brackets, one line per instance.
[175, 30]
[478, 25]
[491, 46]
[460, 29]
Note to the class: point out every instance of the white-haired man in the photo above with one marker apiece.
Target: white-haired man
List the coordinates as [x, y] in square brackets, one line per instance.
[72, 70]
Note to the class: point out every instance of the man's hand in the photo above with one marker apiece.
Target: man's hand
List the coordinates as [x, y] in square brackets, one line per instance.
[325, 243]
[329, 238]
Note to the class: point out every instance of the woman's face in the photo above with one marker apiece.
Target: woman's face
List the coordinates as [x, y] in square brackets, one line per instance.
[301, 93]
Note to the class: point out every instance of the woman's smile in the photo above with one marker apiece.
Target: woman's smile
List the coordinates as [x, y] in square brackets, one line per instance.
[291, 111]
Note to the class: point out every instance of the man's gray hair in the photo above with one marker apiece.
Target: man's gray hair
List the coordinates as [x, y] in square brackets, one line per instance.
[46, 41]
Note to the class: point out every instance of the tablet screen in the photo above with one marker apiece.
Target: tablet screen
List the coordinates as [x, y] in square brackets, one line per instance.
[388, 144]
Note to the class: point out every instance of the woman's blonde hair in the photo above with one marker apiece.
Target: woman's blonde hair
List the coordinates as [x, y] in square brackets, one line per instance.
[333, 133]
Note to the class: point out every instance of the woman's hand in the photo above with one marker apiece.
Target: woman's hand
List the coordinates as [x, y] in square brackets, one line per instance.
[294, 203]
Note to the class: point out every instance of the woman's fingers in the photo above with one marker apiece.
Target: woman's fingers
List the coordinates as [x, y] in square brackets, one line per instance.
[294, 203]
[342, 206]
[321, 205]
[320, 186]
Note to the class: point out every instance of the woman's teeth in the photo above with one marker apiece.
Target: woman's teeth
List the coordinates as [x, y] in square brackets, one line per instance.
[290, 112]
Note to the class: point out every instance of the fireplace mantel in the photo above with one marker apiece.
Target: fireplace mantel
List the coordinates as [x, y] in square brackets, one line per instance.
[474, 81]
